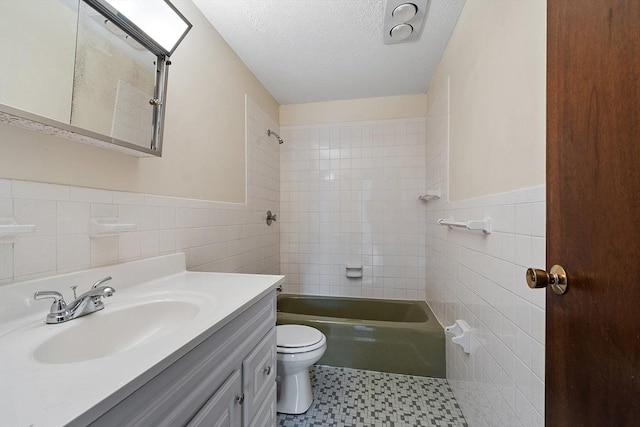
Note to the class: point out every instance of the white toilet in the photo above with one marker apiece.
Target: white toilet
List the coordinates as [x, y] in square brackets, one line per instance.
[298, 348]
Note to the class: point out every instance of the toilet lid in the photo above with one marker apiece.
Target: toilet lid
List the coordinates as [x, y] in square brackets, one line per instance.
[297, 336]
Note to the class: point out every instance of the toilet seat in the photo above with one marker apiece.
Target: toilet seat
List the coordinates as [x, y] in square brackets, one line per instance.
[298, 338]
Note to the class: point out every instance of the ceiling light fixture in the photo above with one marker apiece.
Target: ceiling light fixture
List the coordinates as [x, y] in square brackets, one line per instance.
[403, 20]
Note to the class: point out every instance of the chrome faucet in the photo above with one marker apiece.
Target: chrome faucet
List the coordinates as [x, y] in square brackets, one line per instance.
[85, 304]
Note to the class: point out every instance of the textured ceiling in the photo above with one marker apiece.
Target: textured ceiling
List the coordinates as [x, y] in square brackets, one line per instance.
[322, 50]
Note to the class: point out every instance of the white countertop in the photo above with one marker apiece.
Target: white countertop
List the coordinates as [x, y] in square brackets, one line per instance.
[39, 394]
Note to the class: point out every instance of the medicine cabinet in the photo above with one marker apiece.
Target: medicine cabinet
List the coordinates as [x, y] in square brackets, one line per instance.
[93, 71]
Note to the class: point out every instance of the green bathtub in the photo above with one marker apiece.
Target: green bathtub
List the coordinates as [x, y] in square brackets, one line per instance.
[395, 336]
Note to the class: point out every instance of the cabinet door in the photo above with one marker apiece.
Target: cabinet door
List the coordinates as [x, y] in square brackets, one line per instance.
[266, 415]
[223, 409]
[258, 375]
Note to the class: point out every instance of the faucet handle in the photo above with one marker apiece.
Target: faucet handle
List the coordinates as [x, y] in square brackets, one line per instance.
[58, 312]
[101, 281]
[58, 299]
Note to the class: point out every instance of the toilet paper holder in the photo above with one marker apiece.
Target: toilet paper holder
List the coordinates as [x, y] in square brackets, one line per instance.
[461, 335]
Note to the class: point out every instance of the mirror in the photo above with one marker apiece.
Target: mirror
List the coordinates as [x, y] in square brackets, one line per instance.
[86, 71]
[118, 106]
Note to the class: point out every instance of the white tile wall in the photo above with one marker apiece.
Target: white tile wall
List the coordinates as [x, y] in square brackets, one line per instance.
[481, 279]
[215, 236]
[349, 196]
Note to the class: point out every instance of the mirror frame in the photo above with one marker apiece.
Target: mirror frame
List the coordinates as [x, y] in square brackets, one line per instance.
[31, 121]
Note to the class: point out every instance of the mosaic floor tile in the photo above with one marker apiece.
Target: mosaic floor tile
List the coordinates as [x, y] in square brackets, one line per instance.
[350, 397]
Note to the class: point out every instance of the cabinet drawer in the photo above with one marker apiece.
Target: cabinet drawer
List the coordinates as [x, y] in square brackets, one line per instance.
[259, 374]
[266, 415]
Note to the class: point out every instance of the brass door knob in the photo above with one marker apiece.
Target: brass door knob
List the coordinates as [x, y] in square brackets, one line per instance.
[557, 278]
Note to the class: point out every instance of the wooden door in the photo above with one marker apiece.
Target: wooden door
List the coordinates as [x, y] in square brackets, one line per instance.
[593, 212]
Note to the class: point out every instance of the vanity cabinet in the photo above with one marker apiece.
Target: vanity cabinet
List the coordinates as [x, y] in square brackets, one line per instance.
[252, 388]
[226, 380]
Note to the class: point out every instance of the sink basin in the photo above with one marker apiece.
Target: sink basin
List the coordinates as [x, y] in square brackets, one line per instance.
[107, 332]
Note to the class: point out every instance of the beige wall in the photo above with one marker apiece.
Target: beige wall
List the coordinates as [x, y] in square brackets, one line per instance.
[33, 33]
[393, 107]
[496, 61]
[204, 140]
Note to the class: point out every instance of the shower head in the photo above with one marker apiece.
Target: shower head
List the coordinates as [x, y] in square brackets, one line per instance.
[270, 132]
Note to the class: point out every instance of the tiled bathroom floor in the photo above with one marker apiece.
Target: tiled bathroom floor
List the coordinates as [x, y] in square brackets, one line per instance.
[351, 397]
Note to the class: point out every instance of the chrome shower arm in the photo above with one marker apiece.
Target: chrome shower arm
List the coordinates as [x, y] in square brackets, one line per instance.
[270, 132]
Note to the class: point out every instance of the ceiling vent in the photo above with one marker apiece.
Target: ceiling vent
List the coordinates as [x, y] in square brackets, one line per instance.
[403, 20]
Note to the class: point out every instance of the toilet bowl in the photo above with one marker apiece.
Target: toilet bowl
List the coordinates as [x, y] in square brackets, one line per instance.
[299, 347]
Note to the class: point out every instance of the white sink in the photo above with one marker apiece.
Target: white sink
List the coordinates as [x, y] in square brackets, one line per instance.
[68, 374]
[111, 331]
